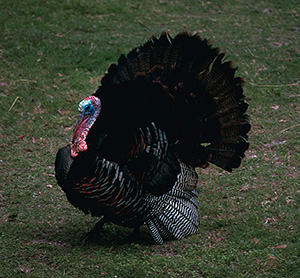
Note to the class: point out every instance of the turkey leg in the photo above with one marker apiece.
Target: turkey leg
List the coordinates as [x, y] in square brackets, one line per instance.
[133, 237]
[96, 230]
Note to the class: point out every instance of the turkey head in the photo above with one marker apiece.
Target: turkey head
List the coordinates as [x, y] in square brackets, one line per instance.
[89, 109]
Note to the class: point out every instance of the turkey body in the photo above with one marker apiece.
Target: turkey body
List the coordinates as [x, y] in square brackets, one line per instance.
[167, 107]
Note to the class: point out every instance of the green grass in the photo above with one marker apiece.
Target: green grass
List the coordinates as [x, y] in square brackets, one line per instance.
[52, 54]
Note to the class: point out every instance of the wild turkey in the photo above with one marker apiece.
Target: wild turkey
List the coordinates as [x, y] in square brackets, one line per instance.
[167, 107]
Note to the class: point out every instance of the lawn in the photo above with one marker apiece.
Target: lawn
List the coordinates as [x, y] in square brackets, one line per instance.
[52, 54]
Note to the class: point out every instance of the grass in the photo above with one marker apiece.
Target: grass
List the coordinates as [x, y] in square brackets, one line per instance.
[52, 54]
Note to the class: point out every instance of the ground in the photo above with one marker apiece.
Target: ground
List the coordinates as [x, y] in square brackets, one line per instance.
[52, 55]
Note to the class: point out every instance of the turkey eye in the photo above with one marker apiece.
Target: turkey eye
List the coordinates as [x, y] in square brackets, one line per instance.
[88, 108]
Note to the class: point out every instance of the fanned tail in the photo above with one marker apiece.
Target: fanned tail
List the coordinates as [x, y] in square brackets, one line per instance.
[212, 123]
[174, 215]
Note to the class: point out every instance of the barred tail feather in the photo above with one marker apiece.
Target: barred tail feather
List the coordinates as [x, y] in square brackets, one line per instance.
[174, 215]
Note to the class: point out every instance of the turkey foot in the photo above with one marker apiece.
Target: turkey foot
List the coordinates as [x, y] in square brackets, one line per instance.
[133, 237]
[96, 230]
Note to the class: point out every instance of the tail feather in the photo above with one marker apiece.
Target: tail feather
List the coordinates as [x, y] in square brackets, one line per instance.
[209, 98]
[160, 52]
